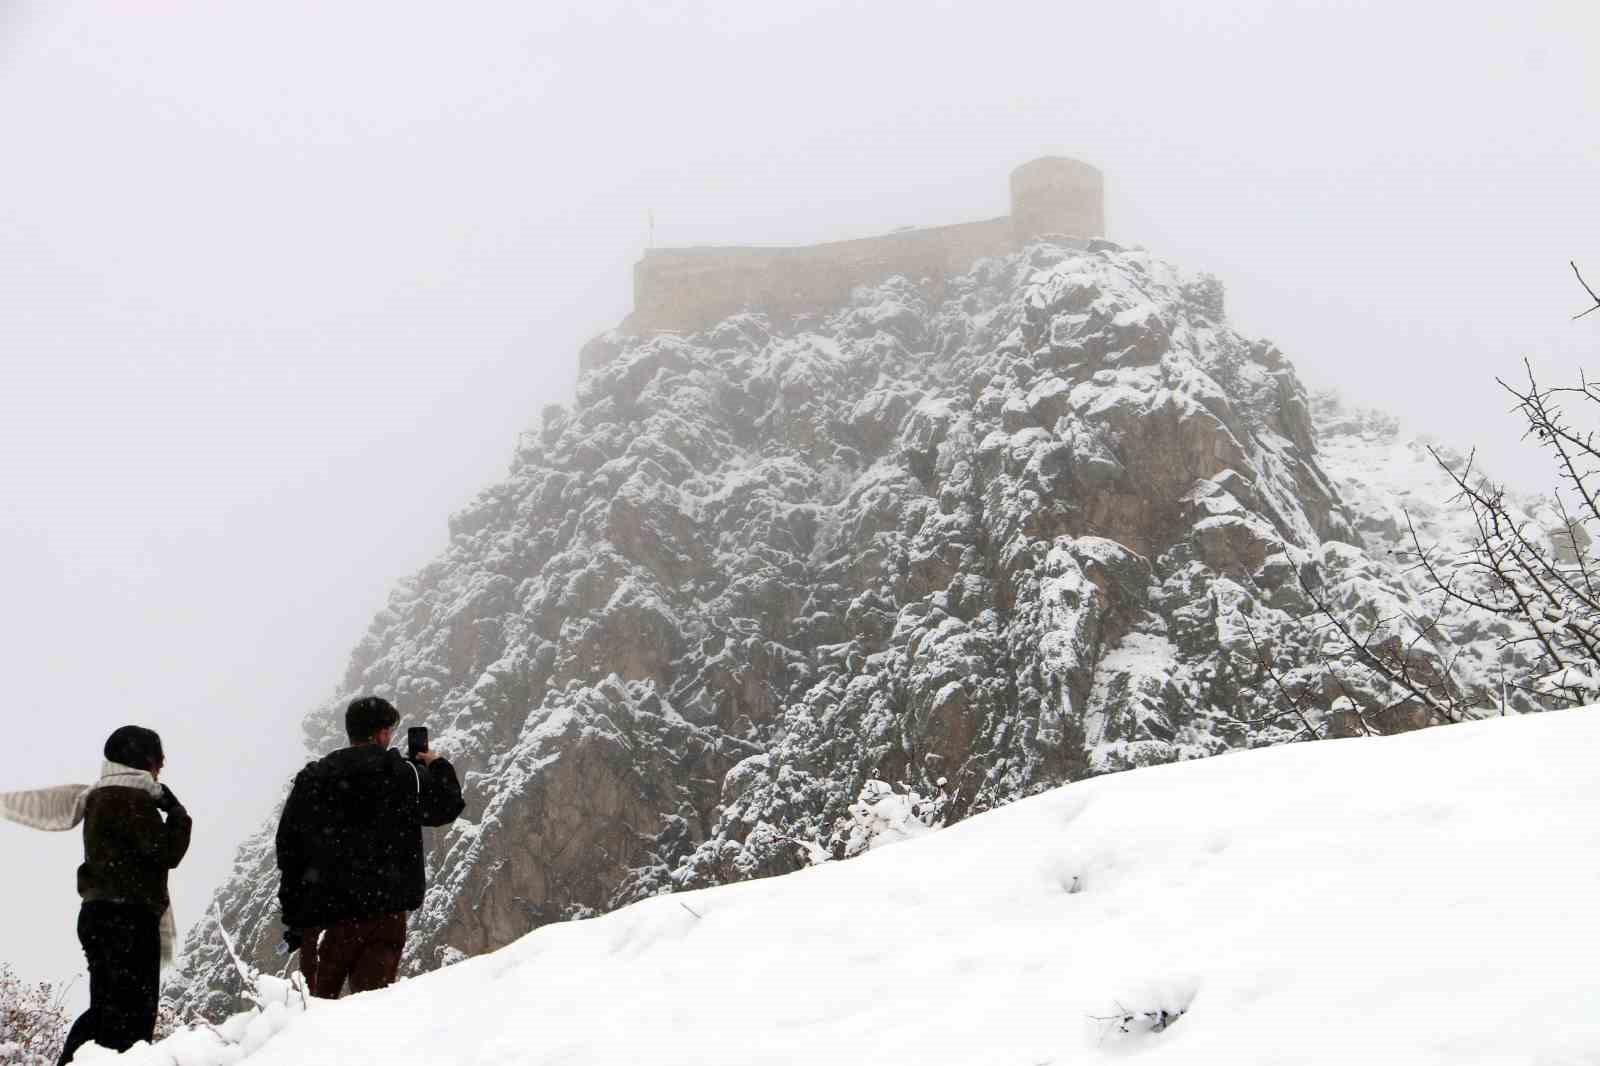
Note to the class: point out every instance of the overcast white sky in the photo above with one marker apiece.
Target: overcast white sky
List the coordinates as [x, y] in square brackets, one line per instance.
[281, 281]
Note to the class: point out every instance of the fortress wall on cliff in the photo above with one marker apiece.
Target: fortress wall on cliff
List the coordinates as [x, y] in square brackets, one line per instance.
[691, 289]
[695, 288]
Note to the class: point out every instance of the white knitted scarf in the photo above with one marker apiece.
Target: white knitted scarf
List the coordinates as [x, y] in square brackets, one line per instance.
[62, 808]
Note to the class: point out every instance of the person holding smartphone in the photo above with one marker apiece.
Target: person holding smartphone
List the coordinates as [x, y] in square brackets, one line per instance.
[350, 853]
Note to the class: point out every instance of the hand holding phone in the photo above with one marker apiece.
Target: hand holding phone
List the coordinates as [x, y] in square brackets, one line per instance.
[416, 741]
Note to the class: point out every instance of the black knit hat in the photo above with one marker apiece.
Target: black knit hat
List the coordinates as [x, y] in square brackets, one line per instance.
[367, 715]
[135, 746]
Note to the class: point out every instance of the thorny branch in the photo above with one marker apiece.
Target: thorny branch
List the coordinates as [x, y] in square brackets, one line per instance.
[1590, 291]
[1382, 654]
[1520, 577]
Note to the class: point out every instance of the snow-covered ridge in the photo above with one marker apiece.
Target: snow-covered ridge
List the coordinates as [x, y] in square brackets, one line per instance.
[1010, 532]
[1420, 899]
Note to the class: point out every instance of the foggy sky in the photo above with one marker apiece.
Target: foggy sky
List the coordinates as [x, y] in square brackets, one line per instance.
[282, 281]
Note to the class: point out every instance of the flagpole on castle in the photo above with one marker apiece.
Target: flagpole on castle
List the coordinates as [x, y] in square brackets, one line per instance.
[652, 240]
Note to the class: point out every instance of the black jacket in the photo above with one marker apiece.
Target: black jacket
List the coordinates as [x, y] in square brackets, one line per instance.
[350, 838]
[128, 849]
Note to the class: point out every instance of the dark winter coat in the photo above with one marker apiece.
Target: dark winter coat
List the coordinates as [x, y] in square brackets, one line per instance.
[128, 849]
[350, 837]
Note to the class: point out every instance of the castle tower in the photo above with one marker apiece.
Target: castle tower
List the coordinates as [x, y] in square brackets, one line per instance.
[1057, 195]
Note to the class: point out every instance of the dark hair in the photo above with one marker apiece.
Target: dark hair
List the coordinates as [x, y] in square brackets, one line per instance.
[366, 716]
[135, 746]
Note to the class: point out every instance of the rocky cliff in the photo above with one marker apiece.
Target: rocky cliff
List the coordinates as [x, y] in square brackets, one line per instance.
[1044, 527]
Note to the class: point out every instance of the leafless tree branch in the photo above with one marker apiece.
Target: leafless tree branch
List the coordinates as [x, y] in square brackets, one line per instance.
[1395, 667]
[1293, 704]
[1590, 291]
[1538, 587]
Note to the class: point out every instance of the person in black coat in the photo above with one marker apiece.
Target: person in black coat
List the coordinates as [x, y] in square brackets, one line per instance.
[134, 833]
[350, 851]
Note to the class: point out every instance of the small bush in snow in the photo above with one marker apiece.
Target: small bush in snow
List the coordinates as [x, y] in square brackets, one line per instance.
[879, 816]
[1130, 1022]
[33, 1021]
[1157, 1005]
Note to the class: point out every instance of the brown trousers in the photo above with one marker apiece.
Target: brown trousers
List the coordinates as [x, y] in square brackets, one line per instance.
[366, 952]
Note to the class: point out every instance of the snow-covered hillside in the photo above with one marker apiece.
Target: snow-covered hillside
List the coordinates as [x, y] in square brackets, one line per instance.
[1418, 899]
[990, 534]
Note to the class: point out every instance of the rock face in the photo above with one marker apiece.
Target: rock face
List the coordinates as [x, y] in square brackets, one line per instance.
[1044, 528]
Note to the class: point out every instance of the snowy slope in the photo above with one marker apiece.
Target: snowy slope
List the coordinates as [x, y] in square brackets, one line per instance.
[1423, 898]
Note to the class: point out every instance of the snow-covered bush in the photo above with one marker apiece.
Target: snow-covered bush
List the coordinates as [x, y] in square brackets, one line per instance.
[1143, 1009]
[881, 815]
[1125, 1021]
[33, 1021]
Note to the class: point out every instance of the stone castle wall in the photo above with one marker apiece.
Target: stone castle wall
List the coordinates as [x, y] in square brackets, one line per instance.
[689, 289]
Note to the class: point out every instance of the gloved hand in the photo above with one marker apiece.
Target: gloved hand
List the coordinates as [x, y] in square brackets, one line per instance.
[167, 801]
[292, 939]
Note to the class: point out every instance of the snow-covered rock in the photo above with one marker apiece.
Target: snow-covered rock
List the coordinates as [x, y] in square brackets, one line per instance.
[1044, 526]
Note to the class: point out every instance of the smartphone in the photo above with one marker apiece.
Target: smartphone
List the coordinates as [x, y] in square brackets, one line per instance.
[416, 740]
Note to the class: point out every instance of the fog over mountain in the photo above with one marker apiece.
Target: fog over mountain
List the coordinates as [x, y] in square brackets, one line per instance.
[288, 281]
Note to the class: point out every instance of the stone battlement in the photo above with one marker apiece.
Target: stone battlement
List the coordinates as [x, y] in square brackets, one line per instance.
[687, 289]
